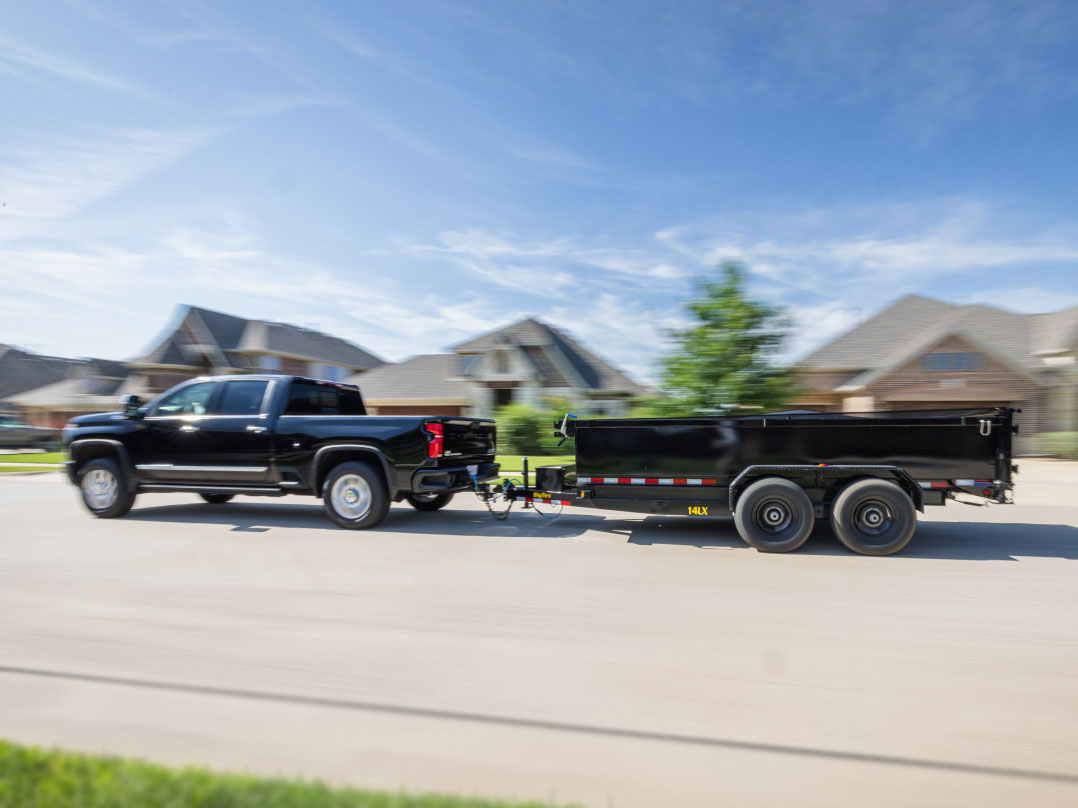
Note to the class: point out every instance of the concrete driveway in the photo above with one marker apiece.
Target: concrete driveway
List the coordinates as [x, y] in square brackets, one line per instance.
[598, 659]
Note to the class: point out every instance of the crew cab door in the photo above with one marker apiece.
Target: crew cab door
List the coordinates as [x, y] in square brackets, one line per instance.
[208, 433]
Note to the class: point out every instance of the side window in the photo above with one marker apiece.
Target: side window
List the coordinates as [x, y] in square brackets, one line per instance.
[241, 398]
[191, 400]
[309, 398]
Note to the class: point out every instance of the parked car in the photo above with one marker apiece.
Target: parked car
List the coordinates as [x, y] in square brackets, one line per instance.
[271, 435]
[16, 434]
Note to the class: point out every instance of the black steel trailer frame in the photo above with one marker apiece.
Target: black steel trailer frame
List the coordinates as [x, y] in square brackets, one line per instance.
[869, 473]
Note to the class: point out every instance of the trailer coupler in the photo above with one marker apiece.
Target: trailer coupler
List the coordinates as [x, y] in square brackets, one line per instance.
[509, 492]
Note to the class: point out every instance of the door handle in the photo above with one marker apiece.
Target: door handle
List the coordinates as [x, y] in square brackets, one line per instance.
[189, 428]
[253, 428]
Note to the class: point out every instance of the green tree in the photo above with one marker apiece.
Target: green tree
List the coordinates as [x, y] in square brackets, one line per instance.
[724, 361]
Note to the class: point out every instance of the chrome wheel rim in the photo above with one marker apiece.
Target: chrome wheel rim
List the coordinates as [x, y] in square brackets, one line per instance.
[424, 497]
[100, 487]
[351, 496]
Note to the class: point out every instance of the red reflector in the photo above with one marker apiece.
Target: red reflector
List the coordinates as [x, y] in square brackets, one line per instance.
[437, 440]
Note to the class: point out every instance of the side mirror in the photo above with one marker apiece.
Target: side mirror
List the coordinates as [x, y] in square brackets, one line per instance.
[131, 404]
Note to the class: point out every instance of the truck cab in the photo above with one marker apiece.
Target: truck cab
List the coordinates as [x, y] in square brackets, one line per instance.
[272, 435]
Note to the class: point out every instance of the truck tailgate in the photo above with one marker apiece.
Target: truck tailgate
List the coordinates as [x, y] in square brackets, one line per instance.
[469, 437]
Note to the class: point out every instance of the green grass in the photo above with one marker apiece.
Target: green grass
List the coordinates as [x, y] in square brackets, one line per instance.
[5, 469]
[1061, 444]
[35, 778]
[33, 457]
[515, 462]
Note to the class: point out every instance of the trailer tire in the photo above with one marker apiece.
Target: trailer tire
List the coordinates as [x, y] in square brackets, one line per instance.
[428, 502]
[354, 495]
[774, 515]
[873, 517]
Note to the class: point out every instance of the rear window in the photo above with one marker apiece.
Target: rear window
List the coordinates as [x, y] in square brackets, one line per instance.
[242, 398]
[311, 398]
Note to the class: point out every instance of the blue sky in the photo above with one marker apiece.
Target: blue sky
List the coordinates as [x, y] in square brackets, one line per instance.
[409, 174]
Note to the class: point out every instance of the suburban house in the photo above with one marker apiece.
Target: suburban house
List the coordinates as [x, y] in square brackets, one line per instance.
[48, 390]
[89, 385]
[24, 370]
[206, 342]
[522, 363]
[921, 353]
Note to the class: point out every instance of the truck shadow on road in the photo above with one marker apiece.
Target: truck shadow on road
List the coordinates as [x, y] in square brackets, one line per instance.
[966, 541]
[261, 517]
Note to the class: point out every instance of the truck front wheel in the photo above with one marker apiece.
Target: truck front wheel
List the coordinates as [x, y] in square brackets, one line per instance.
[104, 489]
[355, 496]
[428, 502]
[774, 515]
[873, 517]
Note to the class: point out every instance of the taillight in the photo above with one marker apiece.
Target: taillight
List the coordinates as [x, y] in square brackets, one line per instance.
[436, 445]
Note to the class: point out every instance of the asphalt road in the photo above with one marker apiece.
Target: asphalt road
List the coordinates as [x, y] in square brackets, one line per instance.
[598, 658]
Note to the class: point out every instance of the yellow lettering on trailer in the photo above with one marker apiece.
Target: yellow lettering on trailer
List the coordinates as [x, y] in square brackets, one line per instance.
[697, 510]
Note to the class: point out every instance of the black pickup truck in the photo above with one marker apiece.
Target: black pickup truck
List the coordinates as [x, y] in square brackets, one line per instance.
[273, 435]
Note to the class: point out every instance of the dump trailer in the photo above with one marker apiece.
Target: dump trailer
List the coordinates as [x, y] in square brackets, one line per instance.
[777, 474]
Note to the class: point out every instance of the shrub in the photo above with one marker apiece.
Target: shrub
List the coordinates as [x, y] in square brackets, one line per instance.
[527, 430]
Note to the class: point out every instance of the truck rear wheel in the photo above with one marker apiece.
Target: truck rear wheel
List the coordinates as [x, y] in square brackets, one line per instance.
[216, 499]
[104, 489]
[354, 496]
[774, 515]
[428, 502]
[873, 517]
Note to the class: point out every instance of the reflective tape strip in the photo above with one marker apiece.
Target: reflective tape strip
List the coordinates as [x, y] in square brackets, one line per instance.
[648, 481]
[934, 485]
[549, 501]
[974, 483]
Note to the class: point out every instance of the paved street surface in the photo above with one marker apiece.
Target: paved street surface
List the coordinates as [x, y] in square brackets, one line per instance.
[602, 659]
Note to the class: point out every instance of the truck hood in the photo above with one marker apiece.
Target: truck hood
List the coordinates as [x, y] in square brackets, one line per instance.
[97, 419]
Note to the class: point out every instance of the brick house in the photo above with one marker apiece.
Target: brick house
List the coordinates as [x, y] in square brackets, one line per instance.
[921, 353]
[522, 363]
[206, 342]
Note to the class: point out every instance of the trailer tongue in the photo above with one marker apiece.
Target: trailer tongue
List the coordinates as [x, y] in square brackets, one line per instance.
[777, 474]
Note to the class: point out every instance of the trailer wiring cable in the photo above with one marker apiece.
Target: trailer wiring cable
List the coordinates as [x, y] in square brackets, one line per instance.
[487, 498]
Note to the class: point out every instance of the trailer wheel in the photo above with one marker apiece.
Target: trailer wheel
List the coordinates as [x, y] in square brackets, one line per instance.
[873, 517]
[774, 515]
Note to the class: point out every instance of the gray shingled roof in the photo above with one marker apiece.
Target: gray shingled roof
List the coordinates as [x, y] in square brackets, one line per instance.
[559, 348]
[233, 335]
[282, 338]
[526, 332]
[421, 377]
[73, 392]
[21, 370]
[907, 325]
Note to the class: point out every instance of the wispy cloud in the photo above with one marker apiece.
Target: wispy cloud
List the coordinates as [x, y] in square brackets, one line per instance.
[17, 54]
[57, 177]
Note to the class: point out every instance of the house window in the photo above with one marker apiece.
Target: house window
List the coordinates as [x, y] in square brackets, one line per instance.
[329, 373]
[951, 361]
[269, 362]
